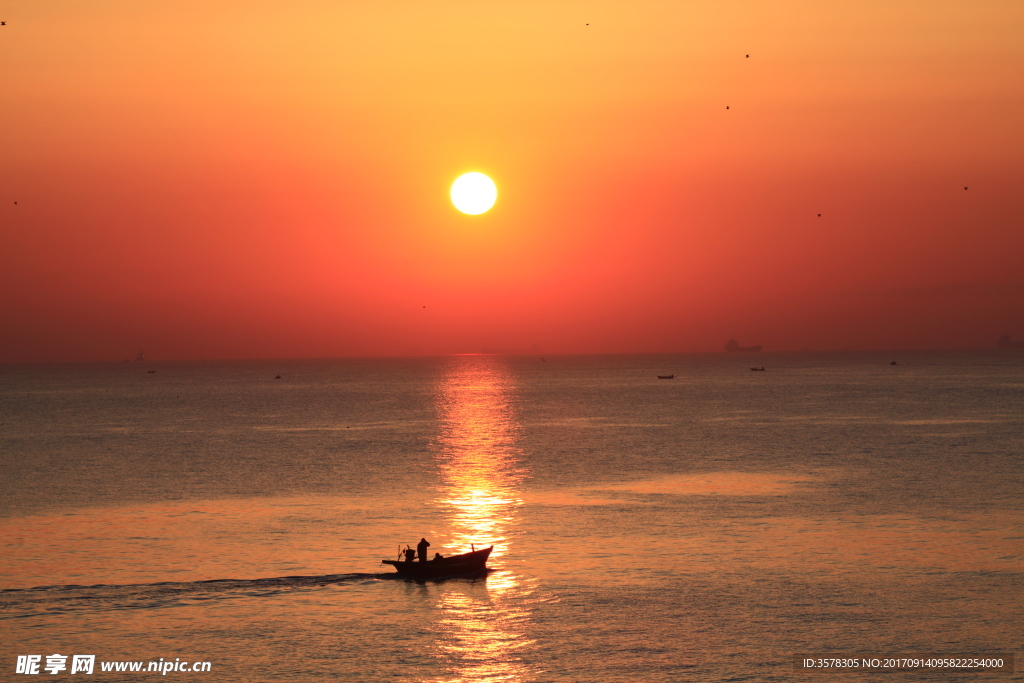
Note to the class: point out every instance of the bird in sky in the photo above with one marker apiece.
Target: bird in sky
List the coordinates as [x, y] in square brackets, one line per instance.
[3, 23]
[965, 187]
[748, 56]
[727, 106]
[819, 215]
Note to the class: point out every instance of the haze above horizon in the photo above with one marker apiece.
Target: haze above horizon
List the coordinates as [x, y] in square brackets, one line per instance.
[242, 180]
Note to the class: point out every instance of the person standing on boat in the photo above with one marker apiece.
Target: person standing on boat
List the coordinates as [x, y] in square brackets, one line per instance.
[421, 549]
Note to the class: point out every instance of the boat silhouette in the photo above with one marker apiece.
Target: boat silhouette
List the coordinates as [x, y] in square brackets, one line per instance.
[1007, 342]
[733, 346]
[467, 564]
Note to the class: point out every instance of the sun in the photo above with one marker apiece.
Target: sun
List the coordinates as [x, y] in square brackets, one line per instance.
[473, 193]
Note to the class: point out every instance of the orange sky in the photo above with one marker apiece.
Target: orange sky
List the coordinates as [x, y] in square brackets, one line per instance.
[214, 179]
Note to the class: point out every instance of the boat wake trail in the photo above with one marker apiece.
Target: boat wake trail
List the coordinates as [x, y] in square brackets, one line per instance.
[16, 603]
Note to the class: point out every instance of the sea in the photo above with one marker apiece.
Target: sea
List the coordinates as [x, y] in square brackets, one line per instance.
[226, 520]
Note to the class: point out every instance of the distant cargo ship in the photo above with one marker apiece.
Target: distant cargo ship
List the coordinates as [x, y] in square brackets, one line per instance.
[1006, 342]
[734, 345]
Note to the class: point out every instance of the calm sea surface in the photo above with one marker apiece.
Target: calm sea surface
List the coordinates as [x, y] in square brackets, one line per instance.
[704, 528]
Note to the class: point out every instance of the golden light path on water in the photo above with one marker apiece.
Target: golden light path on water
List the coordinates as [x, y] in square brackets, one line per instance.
[482, 626]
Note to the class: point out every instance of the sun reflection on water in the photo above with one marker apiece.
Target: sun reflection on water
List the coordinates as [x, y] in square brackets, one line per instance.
[478, 453]
[482, 628]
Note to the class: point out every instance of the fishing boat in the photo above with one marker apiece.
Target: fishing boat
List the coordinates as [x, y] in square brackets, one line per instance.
[666, 376]
[760, 369]
[468, 564]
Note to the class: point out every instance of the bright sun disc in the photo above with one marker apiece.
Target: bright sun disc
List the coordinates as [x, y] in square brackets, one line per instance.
[473, 193]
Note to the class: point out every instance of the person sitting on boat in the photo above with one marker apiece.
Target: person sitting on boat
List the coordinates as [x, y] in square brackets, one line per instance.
[421, 549]
[410, 554]
[438, 556]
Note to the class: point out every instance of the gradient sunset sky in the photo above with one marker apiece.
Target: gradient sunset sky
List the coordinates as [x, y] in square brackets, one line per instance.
[227, 179]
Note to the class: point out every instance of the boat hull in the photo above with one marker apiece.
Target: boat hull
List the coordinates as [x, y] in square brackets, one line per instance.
[468, 564]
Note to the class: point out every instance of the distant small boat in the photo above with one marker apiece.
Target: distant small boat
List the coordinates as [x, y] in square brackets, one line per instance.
[278, 377]
[467, 564]
[894, 363]
[666, 376]
[760, 369]
[1007, 342]
[151, 371]
[733, 346]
